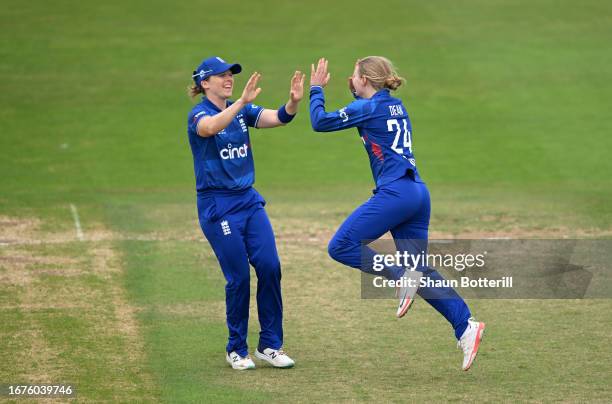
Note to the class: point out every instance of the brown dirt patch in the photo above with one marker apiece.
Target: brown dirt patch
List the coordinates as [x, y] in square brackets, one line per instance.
[43, 281]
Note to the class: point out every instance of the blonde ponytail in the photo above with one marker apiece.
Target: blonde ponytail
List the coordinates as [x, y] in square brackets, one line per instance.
[380, 72]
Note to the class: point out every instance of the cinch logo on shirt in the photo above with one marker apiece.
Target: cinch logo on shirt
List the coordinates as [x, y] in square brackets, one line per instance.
[231, 153]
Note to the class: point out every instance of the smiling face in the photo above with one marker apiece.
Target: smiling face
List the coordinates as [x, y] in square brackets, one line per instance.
[220, 85]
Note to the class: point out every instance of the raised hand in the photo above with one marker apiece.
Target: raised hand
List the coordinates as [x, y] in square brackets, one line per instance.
[320, 76]
[251, 91]
[297, 87]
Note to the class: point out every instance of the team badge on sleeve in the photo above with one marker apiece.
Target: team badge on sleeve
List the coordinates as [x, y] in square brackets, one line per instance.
[195, 117]
[342, 113]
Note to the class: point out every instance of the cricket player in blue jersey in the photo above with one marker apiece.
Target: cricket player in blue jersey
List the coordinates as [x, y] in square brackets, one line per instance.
[400, 203]
[231, 212]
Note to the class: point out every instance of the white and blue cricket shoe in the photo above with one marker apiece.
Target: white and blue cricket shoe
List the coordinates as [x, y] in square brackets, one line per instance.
[275, 357]
[239, 362]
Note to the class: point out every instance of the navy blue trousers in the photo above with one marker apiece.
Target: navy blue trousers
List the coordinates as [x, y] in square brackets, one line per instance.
[402, 207]
[239, 231]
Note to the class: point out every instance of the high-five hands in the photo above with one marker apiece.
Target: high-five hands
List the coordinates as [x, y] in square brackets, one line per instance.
[297, 87]
[251, 91]
[319, 76]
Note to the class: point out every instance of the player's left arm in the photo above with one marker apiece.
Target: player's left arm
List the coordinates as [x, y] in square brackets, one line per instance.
[271, 118]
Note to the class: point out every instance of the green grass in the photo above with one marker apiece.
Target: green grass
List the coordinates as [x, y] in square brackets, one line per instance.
[509, 103]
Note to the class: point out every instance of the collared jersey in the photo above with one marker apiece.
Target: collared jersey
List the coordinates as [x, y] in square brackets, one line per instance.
[223, 161]
[384, 127]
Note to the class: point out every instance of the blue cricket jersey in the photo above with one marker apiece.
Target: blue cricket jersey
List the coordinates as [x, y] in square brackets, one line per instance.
[384, 127]
[223, 161]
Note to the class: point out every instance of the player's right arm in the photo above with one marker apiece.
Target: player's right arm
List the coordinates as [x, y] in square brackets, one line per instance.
[211, 125]
[350, 116]
[322, 121]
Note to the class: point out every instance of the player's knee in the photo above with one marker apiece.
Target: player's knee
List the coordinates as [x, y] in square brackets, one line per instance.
[239, 281]
[337, 249]
[268, 268]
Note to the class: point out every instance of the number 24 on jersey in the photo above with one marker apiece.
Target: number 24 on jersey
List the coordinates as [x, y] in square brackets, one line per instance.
[401, 135]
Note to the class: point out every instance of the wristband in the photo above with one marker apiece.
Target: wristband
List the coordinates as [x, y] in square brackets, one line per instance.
[283, 116]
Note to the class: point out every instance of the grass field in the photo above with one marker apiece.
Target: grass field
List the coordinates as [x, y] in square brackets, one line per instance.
[509, 103]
